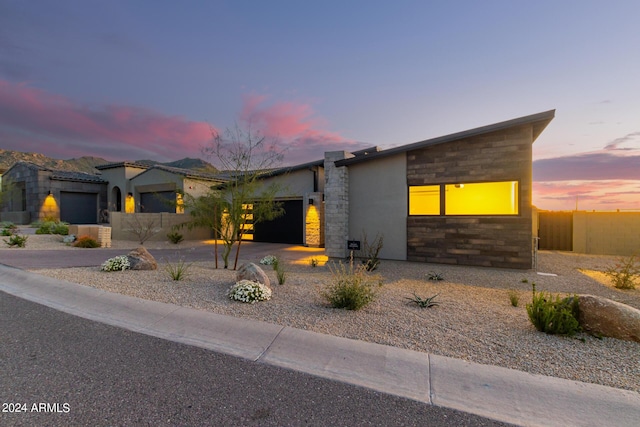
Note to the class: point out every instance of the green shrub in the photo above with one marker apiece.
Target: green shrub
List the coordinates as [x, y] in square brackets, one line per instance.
[117, 263]
[554, 315]
[269, 260]
[350, 289]
[53, 227]
[624, 273]
[177, 271]
[86, 242]
[8, 228]
[16, 240]
[423, 302]
[61, 228]
[249, 292]
[45, 227]
[175, 237]
[434, 276]
[514, 297]
[281, 274]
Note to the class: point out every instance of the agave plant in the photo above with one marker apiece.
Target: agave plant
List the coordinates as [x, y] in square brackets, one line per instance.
[423, 302]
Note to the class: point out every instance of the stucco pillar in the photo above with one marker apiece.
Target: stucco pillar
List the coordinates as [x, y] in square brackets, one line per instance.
[336, 207]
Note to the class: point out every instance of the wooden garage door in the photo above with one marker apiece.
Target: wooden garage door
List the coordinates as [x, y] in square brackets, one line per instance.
[285, 229]
[79, 208]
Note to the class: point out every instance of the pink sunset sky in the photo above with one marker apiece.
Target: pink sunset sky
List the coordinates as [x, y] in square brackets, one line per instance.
[114, 80]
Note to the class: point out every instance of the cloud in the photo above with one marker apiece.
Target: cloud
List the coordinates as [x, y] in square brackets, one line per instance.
[589, 166]
[633, 137]
[60, 127]
[299, 130]
[589, 195]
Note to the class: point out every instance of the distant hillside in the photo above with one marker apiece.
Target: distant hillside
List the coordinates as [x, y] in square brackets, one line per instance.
[87, 164]
[82, 164]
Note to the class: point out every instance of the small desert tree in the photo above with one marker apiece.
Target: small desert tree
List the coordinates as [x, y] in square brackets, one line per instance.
[142, 226]
[206, 211]
[247, 157]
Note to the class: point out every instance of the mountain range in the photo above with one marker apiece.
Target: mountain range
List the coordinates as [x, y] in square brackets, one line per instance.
[88, 164]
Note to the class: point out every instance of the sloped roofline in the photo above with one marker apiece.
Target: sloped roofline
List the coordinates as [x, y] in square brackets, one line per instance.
[539, 122]
[120, 165]
[187, 173]
[61, 175]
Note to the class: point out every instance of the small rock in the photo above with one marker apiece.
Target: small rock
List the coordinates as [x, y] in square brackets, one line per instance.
[252, 272]
[609, 318]
[69, 239]
[141, 259]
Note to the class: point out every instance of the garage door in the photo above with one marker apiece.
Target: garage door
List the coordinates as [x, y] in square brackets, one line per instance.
[79, 208]
[162, 201]
[285, 229]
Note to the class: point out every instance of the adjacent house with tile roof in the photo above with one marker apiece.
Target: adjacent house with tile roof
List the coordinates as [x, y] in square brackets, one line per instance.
[37, 193]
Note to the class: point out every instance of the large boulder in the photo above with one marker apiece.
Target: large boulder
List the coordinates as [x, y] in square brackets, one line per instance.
[141, 259]
[602, 316]
[252, 272]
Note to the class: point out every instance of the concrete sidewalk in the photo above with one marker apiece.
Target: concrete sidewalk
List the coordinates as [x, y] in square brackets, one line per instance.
[498, 393]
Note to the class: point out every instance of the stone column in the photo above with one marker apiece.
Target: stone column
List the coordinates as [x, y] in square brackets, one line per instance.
[336, 207]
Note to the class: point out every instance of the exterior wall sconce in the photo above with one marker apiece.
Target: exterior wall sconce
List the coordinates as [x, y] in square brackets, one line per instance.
[311, 201]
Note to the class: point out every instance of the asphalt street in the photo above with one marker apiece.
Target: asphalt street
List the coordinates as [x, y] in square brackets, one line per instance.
[81, 372]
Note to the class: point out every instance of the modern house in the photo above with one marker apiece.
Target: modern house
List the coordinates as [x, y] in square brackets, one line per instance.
[463, 198]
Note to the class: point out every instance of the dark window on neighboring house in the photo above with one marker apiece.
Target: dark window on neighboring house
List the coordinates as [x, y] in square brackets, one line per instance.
[162, 201]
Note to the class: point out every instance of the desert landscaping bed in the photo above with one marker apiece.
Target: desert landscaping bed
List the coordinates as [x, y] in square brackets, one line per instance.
[475, 320]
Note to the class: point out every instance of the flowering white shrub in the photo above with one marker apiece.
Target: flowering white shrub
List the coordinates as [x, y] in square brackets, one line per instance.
[248, 291]
[118, 263]
[269, 260]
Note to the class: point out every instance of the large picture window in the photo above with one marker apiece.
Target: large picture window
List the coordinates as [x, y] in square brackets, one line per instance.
[483, 198]
[424, 200]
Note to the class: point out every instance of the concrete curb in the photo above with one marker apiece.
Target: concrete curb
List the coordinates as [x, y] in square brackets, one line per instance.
[494, 392]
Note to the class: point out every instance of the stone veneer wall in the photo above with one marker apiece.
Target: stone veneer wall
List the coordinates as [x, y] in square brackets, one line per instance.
[492, 241]
[336, 206]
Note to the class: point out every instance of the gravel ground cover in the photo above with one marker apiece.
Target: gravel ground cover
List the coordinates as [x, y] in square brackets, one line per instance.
[474, 320]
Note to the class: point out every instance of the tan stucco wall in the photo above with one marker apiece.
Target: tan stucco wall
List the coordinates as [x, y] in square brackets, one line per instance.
[293, 184]
[197, 188]
[120, 222]
[606, 233]
[119, 177]
[378, 203]
[156, 177]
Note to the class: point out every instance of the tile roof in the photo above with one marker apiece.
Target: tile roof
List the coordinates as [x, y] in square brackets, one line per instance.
[122, 164]
[187, 173]
[61, 175]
